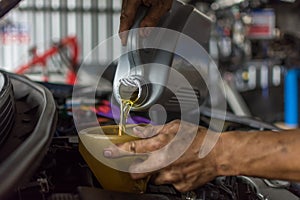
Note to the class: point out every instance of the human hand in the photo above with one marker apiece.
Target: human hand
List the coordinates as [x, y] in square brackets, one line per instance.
[157, 8]
[186, 172]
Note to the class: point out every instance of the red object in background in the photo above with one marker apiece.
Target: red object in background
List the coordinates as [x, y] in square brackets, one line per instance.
[260, 30]
[105, 107]
[263, 24]
[41, 59]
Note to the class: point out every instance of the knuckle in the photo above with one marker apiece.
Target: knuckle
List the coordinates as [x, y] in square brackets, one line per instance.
[124, 25]
[180, 187]
[176, 122]
[164, 137]
[155, 146]
[153, 18]
[169, 179]
[123, 18]
[150, 21]
[184, 188]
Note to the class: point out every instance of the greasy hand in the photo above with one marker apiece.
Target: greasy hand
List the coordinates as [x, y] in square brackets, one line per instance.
[157, 8]
[185, 173]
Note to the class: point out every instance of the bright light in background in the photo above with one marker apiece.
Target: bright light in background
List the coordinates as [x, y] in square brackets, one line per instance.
[224, 3]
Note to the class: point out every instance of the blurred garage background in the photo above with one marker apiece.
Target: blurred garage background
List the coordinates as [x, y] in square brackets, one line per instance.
[255, 44]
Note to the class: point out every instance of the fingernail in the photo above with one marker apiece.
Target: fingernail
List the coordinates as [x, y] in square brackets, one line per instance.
[107, 153]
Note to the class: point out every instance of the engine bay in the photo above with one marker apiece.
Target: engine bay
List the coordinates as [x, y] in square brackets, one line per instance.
[64, 174]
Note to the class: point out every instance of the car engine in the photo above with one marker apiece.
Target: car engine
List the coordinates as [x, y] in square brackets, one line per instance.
[61, 173]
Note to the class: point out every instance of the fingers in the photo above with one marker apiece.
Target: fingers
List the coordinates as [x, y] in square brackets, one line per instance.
[153, 163]
[163, 134]
[168, 177]
[114, 152]
[176, 178]
[131, 148]
[146, 132]
[137, 146]
[183, 186]
[129, 9]
[157, 9]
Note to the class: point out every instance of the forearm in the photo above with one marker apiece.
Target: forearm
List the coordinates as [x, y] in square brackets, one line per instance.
[274, 155]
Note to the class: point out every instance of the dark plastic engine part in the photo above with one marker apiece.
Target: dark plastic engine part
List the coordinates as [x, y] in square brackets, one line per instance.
[87, 193]
[7, 107]
[30, 136]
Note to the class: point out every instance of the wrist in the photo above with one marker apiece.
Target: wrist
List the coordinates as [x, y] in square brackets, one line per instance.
[226, 158]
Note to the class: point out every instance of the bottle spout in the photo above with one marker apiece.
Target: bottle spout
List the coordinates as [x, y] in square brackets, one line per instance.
[132, 88]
